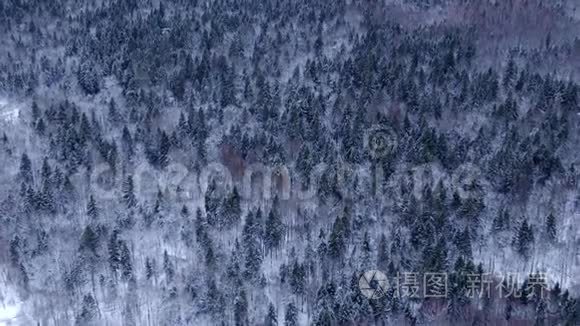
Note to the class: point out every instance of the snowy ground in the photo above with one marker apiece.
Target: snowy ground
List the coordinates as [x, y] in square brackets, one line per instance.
[8, 314]
[10, 305]
[9, 112]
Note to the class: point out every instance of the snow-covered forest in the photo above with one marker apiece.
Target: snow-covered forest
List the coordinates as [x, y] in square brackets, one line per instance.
[252, 162]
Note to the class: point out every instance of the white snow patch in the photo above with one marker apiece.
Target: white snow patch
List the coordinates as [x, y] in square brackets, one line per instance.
[8, 314]
[10, 305]
[9, 112]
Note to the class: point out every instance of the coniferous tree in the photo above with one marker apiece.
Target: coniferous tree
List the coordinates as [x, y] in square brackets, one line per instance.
[114, 252]
[502, 221]
[168, 267]
[291, 315]
[337, 240]
[212, 204]
[366, 252]
[35, 111]
[463, 242]
[89, 252]
[89, 311]
[149, 268]
[46, 175]
[297, 278]
[524, 239]
[89, 78]
[163, 152]
[274, 228]
[89, 242]
[272, 316]
[127, 143]
[252, 248]
[551, 230]
[92, 210]
[42, 243]
[125, 261]
[113, 114]
[213, 302]
[201, 229]
[231, 209]
[40, 127]
[241, 309]
[14, 251]
[129, 192]
[25, 172]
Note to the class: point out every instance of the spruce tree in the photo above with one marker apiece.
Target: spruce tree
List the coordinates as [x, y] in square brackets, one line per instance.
[25, 172]
[291, 315]
[113, 114]
[212, 203]
[114, 258]
[524, 240]
[149, 268]
[241, 309]
[46, 175]
[92, 210]
[551, 230]
[167, 267]
[231, 209]
[252, 248]
[127, 143]
[89, 243]
[163, 152]
[274, 228]
[272, 316]
[213, 301]
[129, 192]
[89, 311]
[297, 278]
[337, 240]
[125, 261]
[383, 253]
[14, 251]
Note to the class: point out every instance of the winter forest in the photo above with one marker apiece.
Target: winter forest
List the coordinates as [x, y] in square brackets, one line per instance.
[289, 162]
